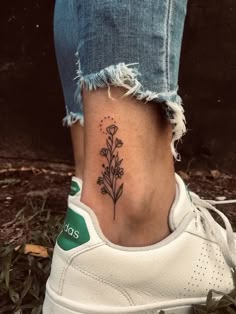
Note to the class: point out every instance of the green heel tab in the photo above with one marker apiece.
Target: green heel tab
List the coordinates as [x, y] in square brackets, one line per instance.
[74, 232]
[74, 188]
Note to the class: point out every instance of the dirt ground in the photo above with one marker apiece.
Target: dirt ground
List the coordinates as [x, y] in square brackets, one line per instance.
[26, 186]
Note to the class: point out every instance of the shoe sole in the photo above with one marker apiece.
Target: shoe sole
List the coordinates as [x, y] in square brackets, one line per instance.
[54, 304]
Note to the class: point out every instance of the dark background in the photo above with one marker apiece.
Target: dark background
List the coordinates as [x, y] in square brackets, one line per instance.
[31, 101]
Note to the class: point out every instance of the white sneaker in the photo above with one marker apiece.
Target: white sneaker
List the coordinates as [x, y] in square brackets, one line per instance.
[91, 275]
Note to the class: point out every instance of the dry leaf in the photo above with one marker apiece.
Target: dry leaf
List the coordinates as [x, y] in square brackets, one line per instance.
[215, 174]
[35, 250]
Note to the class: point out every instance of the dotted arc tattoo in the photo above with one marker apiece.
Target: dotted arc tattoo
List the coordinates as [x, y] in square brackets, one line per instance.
[112, 170]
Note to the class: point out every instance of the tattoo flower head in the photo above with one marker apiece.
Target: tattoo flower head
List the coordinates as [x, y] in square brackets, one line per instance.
[118, 142]
[100, 180]
[103, 152]
[103, 190]
[112, 169]
[118, 172]
[112, 129]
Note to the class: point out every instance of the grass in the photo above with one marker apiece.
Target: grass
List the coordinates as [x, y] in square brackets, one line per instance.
[23, 276]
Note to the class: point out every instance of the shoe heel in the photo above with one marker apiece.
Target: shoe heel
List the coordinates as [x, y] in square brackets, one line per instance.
[50, 307]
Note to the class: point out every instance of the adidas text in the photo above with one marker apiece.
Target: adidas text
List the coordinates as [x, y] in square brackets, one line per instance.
[71, 231]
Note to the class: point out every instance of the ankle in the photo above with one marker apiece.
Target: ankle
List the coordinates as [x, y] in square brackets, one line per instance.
[128, 170]
[141, 216]
[79, 171]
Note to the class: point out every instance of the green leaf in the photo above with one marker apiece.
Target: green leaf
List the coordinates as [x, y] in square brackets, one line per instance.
[6, 269]
[37, 310]
[27, 285]
[14, 296]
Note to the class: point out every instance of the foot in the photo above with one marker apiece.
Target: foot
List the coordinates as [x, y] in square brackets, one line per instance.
[91, 275]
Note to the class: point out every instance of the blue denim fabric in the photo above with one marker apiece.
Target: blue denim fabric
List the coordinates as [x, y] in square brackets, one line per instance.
[136, 42]
[66, 41]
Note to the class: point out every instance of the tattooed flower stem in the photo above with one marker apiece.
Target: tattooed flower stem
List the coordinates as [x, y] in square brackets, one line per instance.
[114, 211]
[112, 170]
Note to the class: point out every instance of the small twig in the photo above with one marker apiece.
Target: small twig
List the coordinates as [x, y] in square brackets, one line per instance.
[7, 224]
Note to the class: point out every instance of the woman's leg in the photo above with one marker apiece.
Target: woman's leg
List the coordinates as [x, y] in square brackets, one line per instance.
[127, 68]
[77, 137]
[140, 165]
[133, 47]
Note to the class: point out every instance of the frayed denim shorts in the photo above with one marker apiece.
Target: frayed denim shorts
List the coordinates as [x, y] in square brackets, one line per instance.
[134, 44]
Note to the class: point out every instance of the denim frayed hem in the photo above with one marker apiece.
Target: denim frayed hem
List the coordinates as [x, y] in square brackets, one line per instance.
[72, 118]
[125, 75]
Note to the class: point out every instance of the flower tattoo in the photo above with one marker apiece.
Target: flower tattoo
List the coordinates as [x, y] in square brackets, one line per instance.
[112, 169]
[112, 129]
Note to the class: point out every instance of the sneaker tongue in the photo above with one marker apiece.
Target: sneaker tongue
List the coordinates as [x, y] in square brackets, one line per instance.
[182, 205]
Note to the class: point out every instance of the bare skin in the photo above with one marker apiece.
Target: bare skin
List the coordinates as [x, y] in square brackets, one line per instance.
[141, 212]
[77, 136]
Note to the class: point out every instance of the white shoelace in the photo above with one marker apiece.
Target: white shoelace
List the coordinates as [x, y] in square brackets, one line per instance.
[227, 244]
